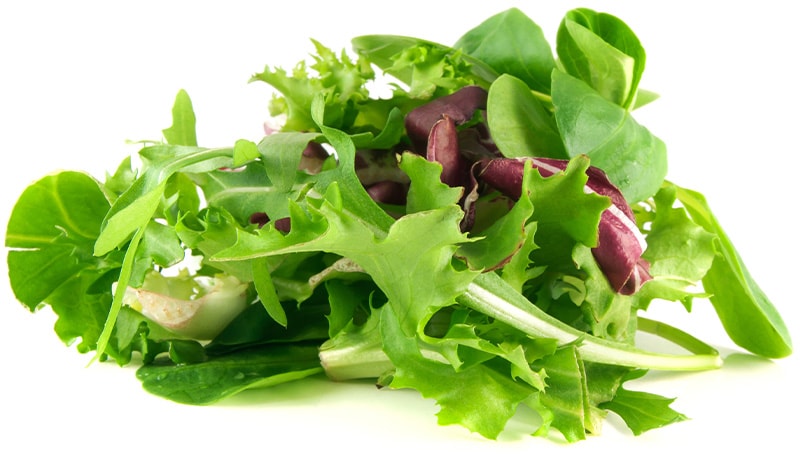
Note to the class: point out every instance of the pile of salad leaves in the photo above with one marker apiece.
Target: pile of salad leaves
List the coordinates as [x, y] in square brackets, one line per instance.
[486, 235]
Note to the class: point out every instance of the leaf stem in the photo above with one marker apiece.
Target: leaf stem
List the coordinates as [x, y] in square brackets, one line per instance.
[119, 293]
[674, 335]
[490, 295]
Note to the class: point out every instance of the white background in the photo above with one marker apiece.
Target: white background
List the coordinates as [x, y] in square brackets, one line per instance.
[79, 78]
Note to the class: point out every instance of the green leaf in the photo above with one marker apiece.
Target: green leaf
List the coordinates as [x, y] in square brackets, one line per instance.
[243, 192]
[129, 216]
[496, 245]
[634, 159]
[608, 313]
[116, 184]
[519, 123]
[643, 411]
[221, 377]
[565, 214]
[390, 135]
[82, 312]
[603, 51]
[139, 204]
[182, 132]
[338, 80]
[244, 151]
[428, 68]
[281, 154]
[51, 233]
[563, 404]
[266, 291]
[183, 352]
[255, 327]
[481, 398]
[412, 264]
[519, 269]
[426, 191]
[680, 252]
[209, 232]
[511, 43]
[160, 245]
[749, 317]
[344, 174]
[490, 295]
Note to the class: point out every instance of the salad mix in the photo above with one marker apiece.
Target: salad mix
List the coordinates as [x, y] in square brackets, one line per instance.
[487, 234]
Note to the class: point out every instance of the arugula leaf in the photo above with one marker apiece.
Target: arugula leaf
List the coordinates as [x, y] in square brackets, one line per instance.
[642, 411]
[183, 131]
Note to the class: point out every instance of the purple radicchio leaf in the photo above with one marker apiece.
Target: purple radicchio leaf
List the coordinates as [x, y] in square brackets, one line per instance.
[388, 192]
[621, 244]
[261, 219]
[443, 148]
[459, 106]
[432, 129]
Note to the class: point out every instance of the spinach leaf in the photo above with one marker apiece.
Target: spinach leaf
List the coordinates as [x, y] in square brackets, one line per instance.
[511, 43]
[209, 381]
[749, 317]
[634, 159]
[520, 124]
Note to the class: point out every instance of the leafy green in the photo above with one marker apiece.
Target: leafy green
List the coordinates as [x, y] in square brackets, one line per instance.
[642, 411]
[209, 381]
[429, 69]
[182, 132]
[480, 301]
[750, 319]
[336, 78]
[521, 124]
[681, 252]
[602, 51]
[634, 159]
[51, 238]
[511, 43]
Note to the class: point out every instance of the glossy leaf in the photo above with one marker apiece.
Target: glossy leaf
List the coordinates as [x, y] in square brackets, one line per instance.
[603, 51]
[51, 233]
[511, 43]
[633, 158]
[519, 123]
[749, 317]
[209, 381]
